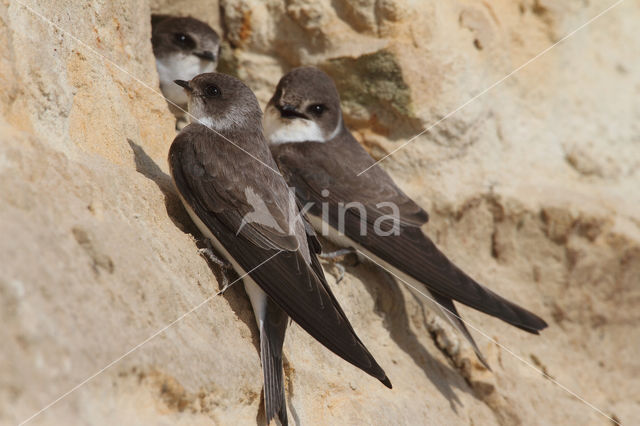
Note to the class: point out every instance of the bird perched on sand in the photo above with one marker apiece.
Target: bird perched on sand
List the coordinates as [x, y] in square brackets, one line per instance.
[184, 47]
[230, 186]
[318, 156]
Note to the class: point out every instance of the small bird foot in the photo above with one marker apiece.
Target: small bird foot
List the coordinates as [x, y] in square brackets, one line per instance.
[341, 271]
[223, 266]
[225, 283]
[336, 258]
[338, 254]
[210, 254]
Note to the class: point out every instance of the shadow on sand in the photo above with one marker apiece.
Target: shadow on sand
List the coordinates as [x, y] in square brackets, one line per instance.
[390, 305]
[235, 295]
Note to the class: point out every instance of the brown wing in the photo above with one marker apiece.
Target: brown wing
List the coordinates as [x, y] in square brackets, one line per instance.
[237, 194]
[337, 162]
[312, 169]
[207, 184]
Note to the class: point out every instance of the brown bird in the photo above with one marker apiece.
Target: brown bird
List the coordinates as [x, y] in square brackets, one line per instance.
[321, 159]
[229, 184]
[184, 47]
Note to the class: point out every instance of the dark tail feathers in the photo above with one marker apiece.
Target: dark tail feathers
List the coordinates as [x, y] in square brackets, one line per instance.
[272, 334]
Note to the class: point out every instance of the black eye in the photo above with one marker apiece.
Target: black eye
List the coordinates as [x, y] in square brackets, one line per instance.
[184, 40]
[212, 91]
[316, 109]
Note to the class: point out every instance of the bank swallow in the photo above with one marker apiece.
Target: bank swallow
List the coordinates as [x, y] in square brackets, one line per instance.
[221, 165]
[184, 47]
[321, 159]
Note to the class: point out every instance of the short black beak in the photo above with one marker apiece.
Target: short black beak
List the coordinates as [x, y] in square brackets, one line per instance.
[289, 111]
[206, 54]
[184, 84]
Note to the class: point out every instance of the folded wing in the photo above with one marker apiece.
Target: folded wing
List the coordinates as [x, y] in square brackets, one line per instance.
[409, 250]
[292, 279]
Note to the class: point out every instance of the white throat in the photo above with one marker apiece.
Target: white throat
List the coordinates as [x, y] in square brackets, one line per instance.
[180, 67]
[205, 121]
[280, 130]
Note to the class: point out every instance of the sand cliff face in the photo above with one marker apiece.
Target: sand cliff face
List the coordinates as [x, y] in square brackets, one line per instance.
[533, 189]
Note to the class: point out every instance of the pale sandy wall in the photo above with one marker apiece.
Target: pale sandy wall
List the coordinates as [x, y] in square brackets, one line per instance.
[533, 189]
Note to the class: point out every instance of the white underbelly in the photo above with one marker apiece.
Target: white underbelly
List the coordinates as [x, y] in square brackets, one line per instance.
[257, 296]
